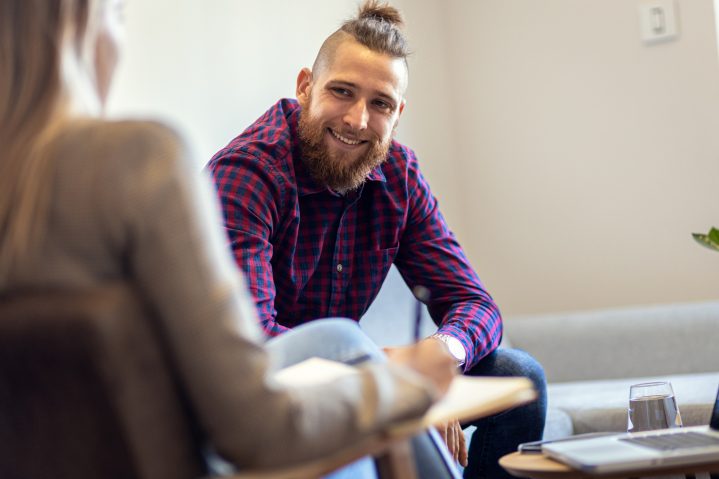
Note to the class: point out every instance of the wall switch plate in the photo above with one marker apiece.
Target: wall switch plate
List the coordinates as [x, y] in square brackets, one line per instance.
[658, 21]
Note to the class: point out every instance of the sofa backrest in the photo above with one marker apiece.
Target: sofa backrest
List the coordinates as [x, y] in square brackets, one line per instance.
[624, 342]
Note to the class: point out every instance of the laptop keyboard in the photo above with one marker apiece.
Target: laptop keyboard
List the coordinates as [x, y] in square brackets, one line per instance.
[673, 441]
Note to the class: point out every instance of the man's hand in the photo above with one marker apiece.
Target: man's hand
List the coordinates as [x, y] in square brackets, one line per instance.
[428, 357]
[431, 358]
[453, 436]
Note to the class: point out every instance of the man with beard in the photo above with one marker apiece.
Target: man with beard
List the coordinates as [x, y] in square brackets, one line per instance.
[320, 200]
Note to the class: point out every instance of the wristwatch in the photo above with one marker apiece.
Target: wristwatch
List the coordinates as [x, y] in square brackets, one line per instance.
[454, 346]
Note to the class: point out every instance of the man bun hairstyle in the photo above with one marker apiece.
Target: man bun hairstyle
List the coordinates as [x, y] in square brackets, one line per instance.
[379, 11]
[377, 26]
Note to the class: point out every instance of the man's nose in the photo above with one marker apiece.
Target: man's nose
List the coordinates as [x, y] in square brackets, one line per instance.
[357, 116]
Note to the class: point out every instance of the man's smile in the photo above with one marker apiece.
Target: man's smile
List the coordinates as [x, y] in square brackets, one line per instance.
[344, 141]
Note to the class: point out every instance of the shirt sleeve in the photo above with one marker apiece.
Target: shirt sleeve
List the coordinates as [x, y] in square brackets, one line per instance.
[250, 195]
[429, 255]
[163, 220]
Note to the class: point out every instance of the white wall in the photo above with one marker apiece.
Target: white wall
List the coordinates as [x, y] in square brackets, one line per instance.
[572, 160]
[588, 158]
[428, 122]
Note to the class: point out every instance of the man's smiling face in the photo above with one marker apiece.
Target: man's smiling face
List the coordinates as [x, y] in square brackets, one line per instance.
[351, 107]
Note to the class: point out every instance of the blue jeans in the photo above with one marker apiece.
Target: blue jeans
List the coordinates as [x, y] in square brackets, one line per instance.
[500, 434]
[342, 340]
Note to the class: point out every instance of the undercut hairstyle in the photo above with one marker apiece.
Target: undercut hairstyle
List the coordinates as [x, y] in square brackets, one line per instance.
[377, 26]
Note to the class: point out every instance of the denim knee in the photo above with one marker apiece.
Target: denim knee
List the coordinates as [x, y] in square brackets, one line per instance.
[520, 363]
[329, 327]
[512, 362]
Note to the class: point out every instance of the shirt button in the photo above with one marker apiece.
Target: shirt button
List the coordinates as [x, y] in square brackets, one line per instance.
[339, 268]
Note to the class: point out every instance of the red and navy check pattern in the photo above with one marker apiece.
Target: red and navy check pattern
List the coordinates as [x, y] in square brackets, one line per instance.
[310, 253]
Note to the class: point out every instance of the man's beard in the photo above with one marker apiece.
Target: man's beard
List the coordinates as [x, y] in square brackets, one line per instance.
[337, 170]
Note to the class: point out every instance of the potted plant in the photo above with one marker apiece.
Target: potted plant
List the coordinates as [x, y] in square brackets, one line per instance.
[709, 240]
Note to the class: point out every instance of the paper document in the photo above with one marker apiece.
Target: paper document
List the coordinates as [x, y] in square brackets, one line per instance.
[468, 397]
[313, 371]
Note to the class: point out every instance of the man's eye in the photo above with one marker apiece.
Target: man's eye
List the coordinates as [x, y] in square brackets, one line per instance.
[382, 105]
[341, 91]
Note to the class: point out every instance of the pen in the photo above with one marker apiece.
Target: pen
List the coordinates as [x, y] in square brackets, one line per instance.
[422, 295]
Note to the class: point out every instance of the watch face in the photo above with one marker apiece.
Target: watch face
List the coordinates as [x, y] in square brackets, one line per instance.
[456, 350]
[455, 347]
[458, 355]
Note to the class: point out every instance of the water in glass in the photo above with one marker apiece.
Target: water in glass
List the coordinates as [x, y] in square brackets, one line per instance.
[652, 406]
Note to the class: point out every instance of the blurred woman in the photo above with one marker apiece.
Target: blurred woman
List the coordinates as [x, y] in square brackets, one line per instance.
[86, 201]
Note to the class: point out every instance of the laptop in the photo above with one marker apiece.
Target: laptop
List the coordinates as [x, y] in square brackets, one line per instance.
[641, 450]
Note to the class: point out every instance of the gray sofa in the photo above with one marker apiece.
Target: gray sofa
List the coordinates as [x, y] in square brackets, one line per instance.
[591, 358]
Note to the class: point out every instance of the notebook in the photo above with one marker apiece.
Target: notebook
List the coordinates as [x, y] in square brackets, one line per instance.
[641, 450]
[468, 397]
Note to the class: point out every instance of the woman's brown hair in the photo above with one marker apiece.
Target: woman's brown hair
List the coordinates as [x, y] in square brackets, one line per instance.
[41, 42]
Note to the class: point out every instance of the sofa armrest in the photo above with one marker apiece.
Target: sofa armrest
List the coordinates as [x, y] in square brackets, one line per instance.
[618, 343]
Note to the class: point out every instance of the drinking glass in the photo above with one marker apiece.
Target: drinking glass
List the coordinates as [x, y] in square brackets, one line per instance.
[652, 406]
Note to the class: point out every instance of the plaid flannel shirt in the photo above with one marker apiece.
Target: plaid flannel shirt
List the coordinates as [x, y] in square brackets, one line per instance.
[309, 253]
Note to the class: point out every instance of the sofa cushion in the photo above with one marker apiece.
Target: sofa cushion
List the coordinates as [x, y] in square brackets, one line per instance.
[602, 405]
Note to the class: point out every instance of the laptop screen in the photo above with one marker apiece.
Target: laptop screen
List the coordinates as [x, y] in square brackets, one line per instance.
[714, 421]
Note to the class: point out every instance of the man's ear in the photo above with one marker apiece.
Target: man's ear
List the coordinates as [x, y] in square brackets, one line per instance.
[304, 85]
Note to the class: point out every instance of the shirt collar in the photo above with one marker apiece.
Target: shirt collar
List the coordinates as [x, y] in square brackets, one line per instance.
[306, 185]
[377, 175]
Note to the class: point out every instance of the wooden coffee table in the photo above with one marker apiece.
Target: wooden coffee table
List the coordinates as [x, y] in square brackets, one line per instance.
[538, 466]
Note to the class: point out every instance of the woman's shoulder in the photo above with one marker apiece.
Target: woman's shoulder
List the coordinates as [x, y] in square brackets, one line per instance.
[128, 139]
[122, 155]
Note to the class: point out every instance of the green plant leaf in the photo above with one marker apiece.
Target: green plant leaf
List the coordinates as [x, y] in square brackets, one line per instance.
[714, 236]
[707, 240]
